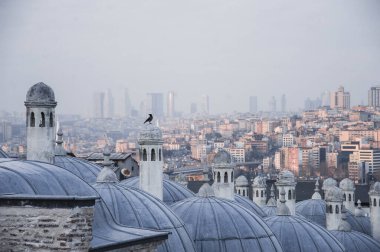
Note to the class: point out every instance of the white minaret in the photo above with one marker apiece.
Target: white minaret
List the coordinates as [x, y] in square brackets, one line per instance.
[40, 123]
[151, 160]
[259, 187]
[241, 186]
[287, 182]
[223, 174]
[374, 199]
[334, 205]
[348, 188]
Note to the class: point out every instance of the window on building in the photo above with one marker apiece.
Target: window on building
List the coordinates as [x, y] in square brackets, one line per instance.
[289, 195]
[243, 192]
[42, 122]
[225, 177]
[32, 120]
[153, 155]
[51, 122]
[331, 209]
[374, 202]
[262, 194]
[349, 197]
[257, 193]
[232, 176]
[218, 177]
[145, 156]
[344, 197]
[336, 209]
[160, 155]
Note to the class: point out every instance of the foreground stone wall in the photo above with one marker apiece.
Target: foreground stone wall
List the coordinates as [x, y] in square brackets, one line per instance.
[45, 229]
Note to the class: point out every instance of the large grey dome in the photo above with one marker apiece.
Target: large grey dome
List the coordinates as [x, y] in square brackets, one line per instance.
[355, 241]
[38, 178]
[40, 93]
[86, 170]
[172, 191]
[135, 208]
[314, 210]
[250, 205]
[298, 234]
[217, 224]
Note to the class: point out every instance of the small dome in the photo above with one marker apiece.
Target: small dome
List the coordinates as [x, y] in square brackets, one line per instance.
[334, 194]
[241, 181]
[172, 191]
[38, 178]
[206, 191]
[149, 132]
[313, 210]
[259, 182]
[347, 185]
[375, 189]
[217, 224]
[40, 94]
[135, 208]
[250, 205]
[286, 177]
[222, 157]
[355, 241]
[298, 234]
[85, 170]
[329, 183]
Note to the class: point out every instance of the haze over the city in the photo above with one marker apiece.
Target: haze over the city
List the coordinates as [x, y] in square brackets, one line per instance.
[226, 49]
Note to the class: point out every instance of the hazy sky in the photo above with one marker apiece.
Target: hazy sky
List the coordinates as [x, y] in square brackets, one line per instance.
[226, 49]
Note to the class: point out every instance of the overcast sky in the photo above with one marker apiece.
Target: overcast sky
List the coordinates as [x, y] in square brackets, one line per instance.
[226, 49]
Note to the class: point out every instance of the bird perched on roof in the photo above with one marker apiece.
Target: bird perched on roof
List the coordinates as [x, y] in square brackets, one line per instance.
[149, 119]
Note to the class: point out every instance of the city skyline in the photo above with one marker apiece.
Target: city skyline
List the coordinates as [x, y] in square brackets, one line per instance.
[231, 52]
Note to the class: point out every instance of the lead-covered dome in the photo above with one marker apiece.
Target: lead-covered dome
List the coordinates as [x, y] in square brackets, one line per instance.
[149, 132]
[40, 94]
[135, 208]
[217, 224]
[241, 181]
[222, 157]
[347, 185]
[172, 191]
[38, 178]
[298, 234]
[250, 205]
[86, 170]
[355, 241]
[314, 210]
[329, 182]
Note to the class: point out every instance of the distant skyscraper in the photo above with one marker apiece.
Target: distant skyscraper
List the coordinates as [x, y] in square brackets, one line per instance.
[253, 104]
[340, 99]
[170, 104]
[99, 104]
[272, 105]
[110, 104]
[155, 104]
[127, 103]
[283, 103]
[325, 98]
[374, 97]
[193, 108]
[205, 105]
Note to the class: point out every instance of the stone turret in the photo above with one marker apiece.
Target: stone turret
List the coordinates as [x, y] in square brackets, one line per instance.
[40, 123]
[348, 188]
[223, 173]
[241, 186]
[334, 205]
[287, 181]
[259, 187]
[151, 160]
[374, 199]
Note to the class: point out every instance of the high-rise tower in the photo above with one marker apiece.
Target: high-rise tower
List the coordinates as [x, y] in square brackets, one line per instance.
[40, 123]
[170, 104]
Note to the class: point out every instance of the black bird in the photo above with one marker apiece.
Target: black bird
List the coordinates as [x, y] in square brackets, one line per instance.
[149, 119]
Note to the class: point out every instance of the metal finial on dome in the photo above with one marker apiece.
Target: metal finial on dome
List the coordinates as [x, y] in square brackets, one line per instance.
[107, 175]
[272, 200]
[283, 209]
[316, 194]
[206, 191]
[344, 225]
[59, 150]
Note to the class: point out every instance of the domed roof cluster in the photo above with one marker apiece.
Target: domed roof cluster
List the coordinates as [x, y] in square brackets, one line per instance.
[241, 181]
[314, 210]
[217, 224]
[149, 132]
[259, 182]
[40, 94]
[172, 192]
[38, 178]
[347, 185]
[86, 170]
[135, 208]
[222, 157]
